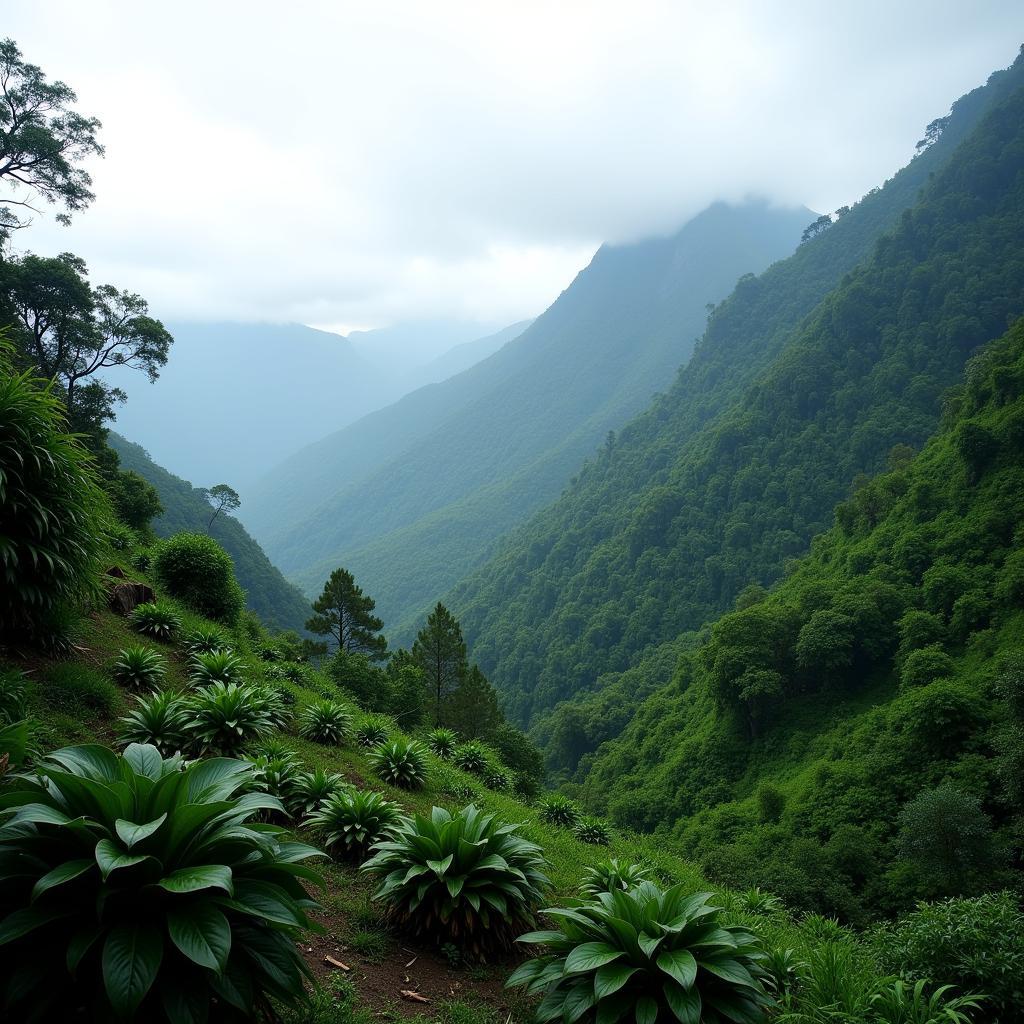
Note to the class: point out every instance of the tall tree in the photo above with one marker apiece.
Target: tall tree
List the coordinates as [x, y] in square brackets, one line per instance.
[345, 613]
[441, 652]
[223, 499]
[42, 143]
[472, 708]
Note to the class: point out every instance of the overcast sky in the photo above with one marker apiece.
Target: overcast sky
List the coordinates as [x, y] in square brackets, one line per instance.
[360, 164]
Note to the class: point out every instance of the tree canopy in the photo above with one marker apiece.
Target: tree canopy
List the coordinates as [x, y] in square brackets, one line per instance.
[344, 613]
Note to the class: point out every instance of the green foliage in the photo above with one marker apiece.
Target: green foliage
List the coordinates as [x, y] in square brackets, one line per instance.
[218, 666]
[466, 878]
[159, 719]
[925, 665]
[275, 772]
[136, 502]
[12, 696]
[442, 742]
[139, 668]
[472, 708]
[226, 718]
[156, 619]
[401, 762]
[200, 907]
[655, 955]
[899, 1002]
[976, 944]
[195, 569]
[79, 690]
[593, 831]
[471, 757]
[345, 614]
[559, 810]
[497, 778]
[52, 513]
[611, 875]
[439, 651]
[326, 721]
[352, 821]
[311, 789]
[372, 731]
[205, 640]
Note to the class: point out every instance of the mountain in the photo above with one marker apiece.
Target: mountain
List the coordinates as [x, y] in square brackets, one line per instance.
[469, 353]
[806, 377]
[278, 604]
[264, 390]
[410, 497]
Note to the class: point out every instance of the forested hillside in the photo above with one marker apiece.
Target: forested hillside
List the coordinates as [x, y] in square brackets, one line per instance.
[886, 664]
[411, 497]
[267, 592]
[790, 396]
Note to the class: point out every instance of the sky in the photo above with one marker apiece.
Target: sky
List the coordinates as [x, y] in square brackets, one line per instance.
[364, 164]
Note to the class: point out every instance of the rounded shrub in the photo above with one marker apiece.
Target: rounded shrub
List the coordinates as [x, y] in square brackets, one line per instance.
[276, 707]
[311, 789]
[497, 778]
[372, 731]
[195, 569]
[227, 718]
[610, 875]
[159, 719]
[401, 763]
[924, 666]
[593, 831]
[215, 667]
[275, 773]
[442, 742]
[646, 954]
[352, 821]
[52, 513]
[471, 757]
[326, 721]
[156, 619]
[467, 878]
[141, 890]
[757, 901]
[205, 640]
[558, 810]
[139, 668]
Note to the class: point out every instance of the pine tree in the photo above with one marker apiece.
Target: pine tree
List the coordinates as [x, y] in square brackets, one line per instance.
[472, 710]
[345, 613]
[440, 652]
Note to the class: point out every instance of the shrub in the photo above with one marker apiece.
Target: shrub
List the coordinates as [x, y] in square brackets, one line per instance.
[497, 778]
[139, 668]
[77, 690]
[215, 667]
[558, 810]
[311, 789]
[12, 696]
[465, 878]
[275, 773]
[276, 708]
[976, 944]
[609, 875]
[924, 666]
[160, 719]
[372, 731]
[195, 569]
[656, 955]
[52, 512]
[896, 1002]
[326, 721]
[227, 718]
[442, 742]
[757, 901]
[200, 908]
[401, 763]
[205, 640]
[156, 619]
[119, 537]
[471, 757]
[351, 822]
[593, 831]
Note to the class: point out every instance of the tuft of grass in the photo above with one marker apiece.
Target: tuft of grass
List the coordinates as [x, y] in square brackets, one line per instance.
[78, 690]
[371, 944]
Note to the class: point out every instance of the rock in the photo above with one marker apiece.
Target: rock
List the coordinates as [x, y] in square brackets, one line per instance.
[125, 597]
[116, 571]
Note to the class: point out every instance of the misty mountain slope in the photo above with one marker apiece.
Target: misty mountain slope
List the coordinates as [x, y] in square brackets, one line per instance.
[730, 474]
[469, 353]
[588, 363]
[279, 604]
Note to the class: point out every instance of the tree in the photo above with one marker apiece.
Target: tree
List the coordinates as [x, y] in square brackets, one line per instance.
[135, 500]
[409, 695]
[933, 133]
[816, 227]
[472, 708]
[358, 675]
[345, 613]
[70, 331]
[42, 141]
[223, 499]
[441, 652]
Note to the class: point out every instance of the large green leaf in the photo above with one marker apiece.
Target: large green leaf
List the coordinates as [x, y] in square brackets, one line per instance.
[27, 919]
[129, 833]
[59, 875]
[202, 933]
[589, 956]
[684, 1004]
[679, 964]
[206, 876]
[646, 1010]
[131, 960]
[111, 857]
[610, 978]
[262, 899]
[145, 759]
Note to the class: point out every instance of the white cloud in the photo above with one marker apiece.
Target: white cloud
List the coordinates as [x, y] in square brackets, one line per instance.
[353, 163]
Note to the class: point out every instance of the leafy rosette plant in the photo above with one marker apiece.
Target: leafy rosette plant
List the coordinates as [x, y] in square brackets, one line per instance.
[133, 888]
[205, 640]
[651, 955]
[275, 774]
[467, 879]
[326, 721]
[558, 810]
[310, 789]
[497, 778]
[352, 821]
[471, 757]
[372, 732]
[226, 719]
[401, 763]
[609, 875]
[593, 831]
[161, 719]
[442, 742]
[218, 666]
[139, 668]
[156, 619]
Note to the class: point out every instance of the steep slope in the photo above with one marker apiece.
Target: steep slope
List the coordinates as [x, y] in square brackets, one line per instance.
[733, 472]
[267, 592]
[866, 676]
[491, 445]
[469, 353]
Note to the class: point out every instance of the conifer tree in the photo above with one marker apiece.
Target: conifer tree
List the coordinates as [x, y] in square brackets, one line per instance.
[472, 710]
[440, 652]
[345, 613]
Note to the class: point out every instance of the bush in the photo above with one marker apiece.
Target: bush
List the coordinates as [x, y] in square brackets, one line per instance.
[497, 778]
[467, 878]
[326, 721]
[610, 875]
[441, 742]
[351, 822]
[976, 944]
[275, 706]
[372, 731]
[276, 773]
[215, 667]
[924, 666]
[52, 513]
[200, 908]
[161, 719]
[311, 789]
[558, 810]
[139, 668]
[156, 619]
[757, 901]
[227, 718]
[205, 640]
[471, 757]
[658, 956]
[593, 831]
[401, 763]
[77, 690]
[195, 569]
[12, 696]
